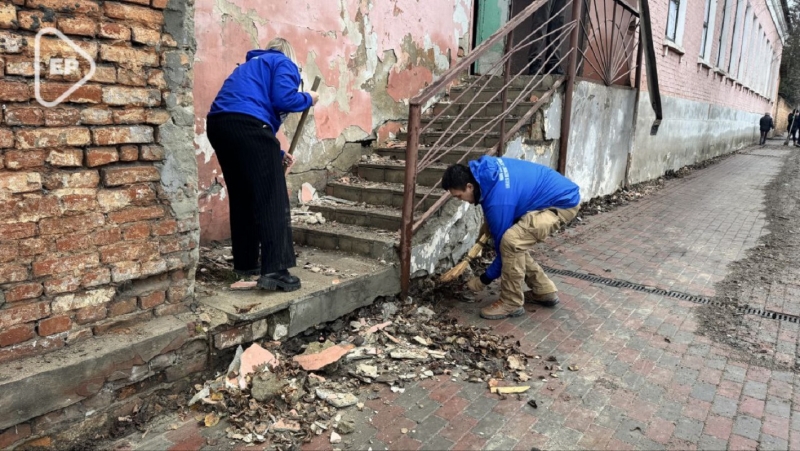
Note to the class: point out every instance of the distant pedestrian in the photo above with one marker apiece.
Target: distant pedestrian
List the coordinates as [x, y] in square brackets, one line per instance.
[766, 125]
[794, 127]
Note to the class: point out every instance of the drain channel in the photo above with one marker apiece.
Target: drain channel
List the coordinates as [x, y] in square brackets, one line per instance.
[669, 293]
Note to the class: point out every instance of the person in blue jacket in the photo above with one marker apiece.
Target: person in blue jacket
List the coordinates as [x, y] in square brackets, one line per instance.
[241, 127]
[522, 204]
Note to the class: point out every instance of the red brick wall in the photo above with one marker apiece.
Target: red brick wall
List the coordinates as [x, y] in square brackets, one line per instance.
[82, 208]
[682, 76]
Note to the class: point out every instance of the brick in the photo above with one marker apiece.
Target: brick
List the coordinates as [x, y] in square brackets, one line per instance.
[8, 16]
[20, 65]
[134, 13]
[24, 159]
[33, 246]
[122, 96]
[129, 153]
[118, 176]
[27, 349]
[172, 309]
[123, 271]
[167, 227]
[81, 26]
[128, 57]
[116, 199]
[113, 30]
[50, 91]
[12, 273]
[60, 265]
[6, 138]
[158, 117]
[66, 158]
[12, 42]
[61, 226]
[135, 134]
[122, 307]
[146, 36]
[96, 277]
[75, 179]
[90, 298]
[178, 293]
[99, 156]
[17, 231]
[153, 267]
[21, 182]
[24, 116]
[8, 251]
[55, 325]
[61, 285]
[34, 20]
[156, 78]
[133, 214]
[35, 208]
[97, 116]
[91, 314]
[135, 232]
[17, 334]
[76, 336]
[14, 91]
[129, 116]
[152, 153]
[53, 137]
[152, 300]
[127, 251]
[62, 117]
[14, 434]
[168, 41]
[160, 4]
[105, 74]
[23, 314]
[131, 77]
[79, 202]
[24, 291]
[66, 6]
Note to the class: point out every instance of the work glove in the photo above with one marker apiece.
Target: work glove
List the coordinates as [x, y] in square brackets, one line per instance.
[475, 284]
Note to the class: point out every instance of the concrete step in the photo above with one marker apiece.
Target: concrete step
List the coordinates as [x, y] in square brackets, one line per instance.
[462, 95]
[359, 240]
[393, 171]
[481, 139]
[449, 158]
[482, 108]
[252, 314]
[384, 218]
[477, 123]
[519, 82]
[386, 194]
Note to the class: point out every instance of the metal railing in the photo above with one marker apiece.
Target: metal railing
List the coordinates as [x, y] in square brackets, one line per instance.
[554, 33]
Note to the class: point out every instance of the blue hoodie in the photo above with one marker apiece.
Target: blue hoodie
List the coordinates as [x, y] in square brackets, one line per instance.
[510, 188]
[264, 87]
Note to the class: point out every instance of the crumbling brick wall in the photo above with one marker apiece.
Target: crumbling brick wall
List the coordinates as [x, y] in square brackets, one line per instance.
[98, 209]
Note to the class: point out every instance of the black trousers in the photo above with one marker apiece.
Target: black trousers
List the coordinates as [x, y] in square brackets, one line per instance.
[250, 158]
[763, 136]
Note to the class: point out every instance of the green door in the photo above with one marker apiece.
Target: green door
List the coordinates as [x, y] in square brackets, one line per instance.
[491, 15]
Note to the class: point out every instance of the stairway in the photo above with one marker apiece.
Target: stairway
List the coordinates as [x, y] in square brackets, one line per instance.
[363, 212]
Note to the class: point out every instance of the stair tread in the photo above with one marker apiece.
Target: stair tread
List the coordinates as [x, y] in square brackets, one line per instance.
[353, 231]
[387, 186]
[365, 208]
[398, 164]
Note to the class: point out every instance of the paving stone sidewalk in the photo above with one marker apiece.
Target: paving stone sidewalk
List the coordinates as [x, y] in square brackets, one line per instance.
[647, 378]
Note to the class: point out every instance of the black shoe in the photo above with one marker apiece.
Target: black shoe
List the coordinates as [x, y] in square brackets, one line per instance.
[279, 280]
[247, 272]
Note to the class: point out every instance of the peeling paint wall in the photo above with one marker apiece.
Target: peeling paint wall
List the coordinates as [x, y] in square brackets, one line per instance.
[371, 55]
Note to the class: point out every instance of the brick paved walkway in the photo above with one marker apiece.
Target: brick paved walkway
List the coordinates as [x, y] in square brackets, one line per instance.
[647, 379]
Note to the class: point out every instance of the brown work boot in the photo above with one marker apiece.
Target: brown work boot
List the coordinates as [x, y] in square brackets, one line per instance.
[546, 300]
[499, 310]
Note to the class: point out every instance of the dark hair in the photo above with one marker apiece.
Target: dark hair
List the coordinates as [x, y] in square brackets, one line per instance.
[457, 176]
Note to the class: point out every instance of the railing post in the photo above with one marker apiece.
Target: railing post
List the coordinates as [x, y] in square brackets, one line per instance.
[409, 194]
[506, 78]
[571, 74]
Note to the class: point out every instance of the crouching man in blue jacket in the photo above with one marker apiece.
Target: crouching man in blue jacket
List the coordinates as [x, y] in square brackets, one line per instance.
[522, 204]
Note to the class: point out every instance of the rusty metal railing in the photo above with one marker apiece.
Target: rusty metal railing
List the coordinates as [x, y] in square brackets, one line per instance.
[550, 32]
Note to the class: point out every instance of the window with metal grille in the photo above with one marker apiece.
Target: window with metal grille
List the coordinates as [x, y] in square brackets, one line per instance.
[672, 20]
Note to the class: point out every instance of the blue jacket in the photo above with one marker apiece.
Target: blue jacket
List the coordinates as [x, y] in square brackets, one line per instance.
[264, 87]
[510, 188]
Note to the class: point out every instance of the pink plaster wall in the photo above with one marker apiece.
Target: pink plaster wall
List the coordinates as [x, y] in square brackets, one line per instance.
[345, 42]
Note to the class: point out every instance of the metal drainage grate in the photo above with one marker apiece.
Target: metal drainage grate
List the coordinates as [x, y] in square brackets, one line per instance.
[669, 293]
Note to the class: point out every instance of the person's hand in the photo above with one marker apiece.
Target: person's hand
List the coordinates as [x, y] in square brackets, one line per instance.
[475, 284]
[314, 97]
[288, 160]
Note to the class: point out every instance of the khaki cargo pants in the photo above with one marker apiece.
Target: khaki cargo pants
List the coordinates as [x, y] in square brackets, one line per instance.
[518, 265]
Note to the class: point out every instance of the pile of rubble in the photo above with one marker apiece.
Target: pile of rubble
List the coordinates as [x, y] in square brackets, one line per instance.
[287, 393]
